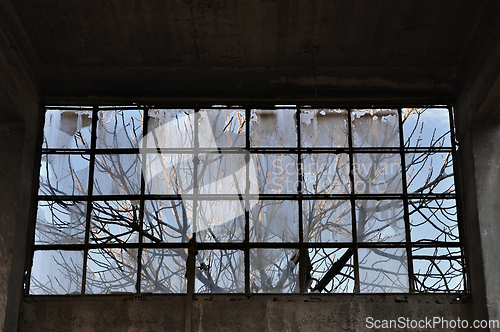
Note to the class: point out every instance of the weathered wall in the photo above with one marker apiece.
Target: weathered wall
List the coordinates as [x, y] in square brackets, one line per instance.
[486, 154]
[478, 133]
[19, 105]
[11, 136]
[17, 152]
[471, 232]
[232, 313]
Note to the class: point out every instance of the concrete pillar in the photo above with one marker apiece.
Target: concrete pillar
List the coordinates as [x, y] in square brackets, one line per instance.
[486, 156]
[17, 147]
[11, 147]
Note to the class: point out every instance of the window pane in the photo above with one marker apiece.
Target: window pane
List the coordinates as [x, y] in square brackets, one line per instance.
[56, 272]
[60, 222]
[324, 128]
[332, 271]
[273, 128]
[377, 173]
[426, 127]
[117, 174]
[274, 271]
[220, 221]
[220, 271]
[327, 221]
[114, 222]
[383, 270]
[67, 129]
[438, 270]
[119, 129]
[163, 271]
[64, 174]
[111, 271]
[170, 128]
[222, 174]
[433, 220]
[430, 173]
[222, 128]
[326, 174]
[167, 221]
[169, 173]
[274, 221]
[375, 128]
[276, 174]
[380, 221]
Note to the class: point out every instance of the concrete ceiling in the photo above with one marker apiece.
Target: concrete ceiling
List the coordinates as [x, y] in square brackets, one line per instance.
[249, 46]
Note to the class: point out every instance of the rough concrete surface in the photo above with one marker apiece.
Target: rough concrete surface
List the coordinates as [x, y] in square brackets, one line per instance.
[232, 313]
[11, 136]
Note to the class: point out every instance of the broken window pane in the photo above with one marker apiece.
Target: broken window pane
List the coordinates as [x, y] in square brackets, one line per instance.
[114, 222]
[274, 221]
[62, 174]
[430, 173]
[67, 129]
[380, 221]
[331, 270]
[56, 272]
[383, 270]
[274, 271]
[170, 128]
[111, 271]
[375, 128]
[119, 129]
[164, 271]
[273, 128]
[222, 128]
[220, 271]
[433, 220]
[327, 221]
[426, 127]
[438, 270]
[324, 128]
[60, 222]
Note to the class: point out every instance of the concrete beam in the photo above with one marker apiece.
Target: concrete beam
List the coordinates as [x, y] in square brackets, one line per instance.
[249, 83]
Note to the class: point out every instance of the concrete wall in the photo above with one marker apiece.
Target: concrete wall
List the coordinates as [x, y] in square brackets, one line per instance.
[232, 313]
[17, 153]
[486, 156]
[19, 106]
[478, 134]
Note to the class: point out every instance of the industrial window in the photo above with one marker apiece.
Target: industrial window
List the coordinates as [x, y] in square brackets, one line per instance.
[263, 199]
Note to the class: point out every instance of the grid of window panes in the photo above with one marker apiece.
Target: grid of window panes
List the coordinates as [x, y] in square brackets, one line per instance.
[283, 199]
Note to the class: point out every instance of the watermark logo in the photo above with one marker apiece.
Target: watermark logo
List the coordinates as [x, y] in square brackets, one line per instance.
[429, 323]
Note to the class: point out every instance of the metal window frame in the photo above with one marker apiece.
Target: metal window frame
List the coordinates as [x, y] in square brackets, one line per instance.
[246, 245]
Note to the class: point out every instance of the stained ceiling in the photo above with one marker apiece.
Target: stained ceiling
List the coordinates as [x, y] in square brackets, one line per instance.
[326, 43]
